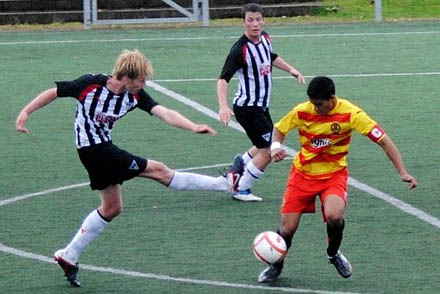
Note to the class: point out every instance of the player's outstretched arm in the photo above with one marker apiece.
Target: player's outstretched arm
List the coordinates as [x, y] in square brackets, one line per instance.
[176, 119]
[41, 100]
[394, 155]
[283, 65]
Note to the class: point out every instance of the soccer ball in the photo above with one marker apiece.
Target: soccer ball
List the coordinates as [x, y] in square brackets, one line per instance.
[269, 247]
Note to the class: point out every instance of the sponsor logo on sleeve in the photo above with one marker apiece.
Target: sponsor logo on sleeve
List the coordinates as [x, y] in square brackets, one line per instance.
[376, 133]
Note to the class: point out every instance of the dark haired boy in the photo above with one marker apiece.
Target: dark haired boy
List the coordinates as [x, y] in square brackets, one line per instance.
[252, 58]
[325, 124]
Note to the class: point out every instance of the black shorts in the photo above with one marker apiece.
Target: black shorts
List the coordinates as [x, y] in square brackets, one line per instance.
[257, 123]
[108, 165]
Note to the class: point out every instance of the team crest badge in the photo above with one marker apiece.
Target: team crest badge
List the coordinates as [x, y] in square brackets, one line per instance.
[336, 128]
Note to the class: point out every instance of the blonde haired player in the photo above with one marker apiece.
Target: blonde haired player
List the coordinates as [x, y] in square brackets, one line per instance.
[101, 101]
[325, 124]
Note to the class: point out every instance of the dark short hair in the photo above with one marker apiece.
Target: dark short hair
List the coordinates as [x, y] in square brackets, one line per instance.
[321, 88]
[251, 7]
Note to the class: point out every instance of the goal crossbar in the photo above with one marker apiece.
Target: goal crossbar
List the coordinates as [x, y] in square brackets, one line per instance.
[198, 11]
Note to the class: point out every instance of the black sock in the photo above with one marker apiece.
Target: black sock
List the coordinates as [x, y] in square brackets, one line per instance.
[334, 234]
[288, 239]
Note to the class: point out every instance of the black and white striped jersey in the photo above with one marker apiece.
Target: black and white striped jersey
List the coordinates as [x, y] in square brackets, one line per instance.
[98, 108]
[253, 65]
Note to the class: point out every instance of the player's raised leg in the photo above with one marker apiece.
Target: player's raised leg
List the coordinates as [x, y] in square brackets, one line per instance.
[186, 181]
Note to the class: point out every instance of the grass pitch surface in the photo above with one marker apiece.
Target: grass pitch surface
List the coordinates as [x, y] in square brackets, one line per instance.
[197, 242]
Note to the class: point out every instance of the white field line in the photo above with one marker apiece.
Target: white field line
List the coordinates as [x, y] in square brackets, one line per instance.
[44, 192]
[42, 258]
[352, 182]
[191, 103]
[68, 187]
[363, 187]
[372, 75]
[46, 259]
[392, 200]
[215, 38]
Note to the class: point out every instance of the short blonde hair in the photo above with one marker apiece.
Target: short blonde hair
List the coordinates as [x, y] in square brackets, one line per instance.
[132, 64]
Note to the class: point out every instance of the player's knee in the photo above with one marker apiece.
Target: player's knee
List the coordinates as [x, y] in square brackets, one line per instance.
[264, 155]
[335, 218]
[334, 208]
[163, 172]
[157, 171]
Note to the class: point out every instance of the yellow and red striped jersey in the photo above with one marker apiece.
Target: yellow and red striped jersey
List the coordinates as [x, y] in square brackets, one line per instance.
[325, 139]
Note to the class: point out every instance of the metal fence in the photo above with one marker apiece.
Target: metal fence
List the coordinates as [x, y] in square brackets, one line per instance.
[198, 12]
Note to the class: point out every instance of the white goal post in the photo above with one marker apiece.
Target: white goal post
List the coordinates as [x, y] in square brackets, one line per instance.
[378, 10]
[200, 12]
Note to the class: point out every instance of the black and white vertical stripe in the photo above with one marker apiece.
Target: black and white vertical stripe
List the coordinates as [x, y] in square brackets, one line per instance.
[255, 77]
[96, 114]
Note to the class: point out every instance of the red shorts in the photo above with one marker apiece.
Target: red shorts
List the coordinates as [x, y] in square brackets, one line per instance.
[300, 194]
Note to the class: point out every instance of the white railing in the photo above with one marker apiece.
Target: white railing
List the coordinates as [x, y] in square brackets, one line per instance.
[200, 12]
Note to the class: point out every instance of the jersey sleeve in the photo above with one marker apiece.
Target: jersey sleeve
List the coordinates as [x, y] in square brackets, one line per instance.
[76, 87]
[273, 56]
[288, 122]
[233, 62]
[365, 125]
[145, 101]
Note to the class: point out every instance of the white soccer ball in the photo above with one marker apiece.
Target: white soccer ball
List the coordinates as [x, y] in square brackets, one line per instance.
[269, 247]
